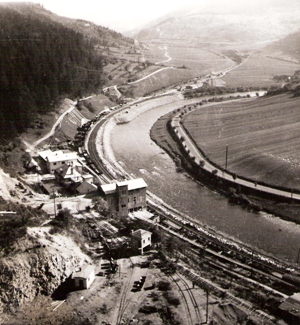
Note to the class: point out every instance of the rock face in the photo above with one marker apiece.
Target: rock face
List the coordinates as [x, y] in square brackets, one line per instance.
[42, 262]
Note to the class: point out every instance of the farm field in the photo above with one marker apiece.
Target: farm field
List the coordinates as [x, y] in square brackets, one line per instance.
[258, 71]
[197, 62]
[262, 137]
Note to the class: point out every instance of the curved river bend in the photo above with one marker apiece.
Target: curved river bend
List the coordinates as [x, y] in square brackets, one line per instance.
[141, 157]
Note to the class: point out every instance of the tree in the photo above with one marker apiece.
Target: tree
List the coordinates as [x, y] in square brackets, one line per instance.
[101, 206]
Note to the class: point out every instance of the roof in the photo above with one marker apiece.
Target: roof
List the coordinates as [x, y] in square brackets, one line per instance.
[86, 187]
[61, 156]
[132, 184]
[67, 171]
[83, 272]
[292, 305]
[44, 154]
[140, 233]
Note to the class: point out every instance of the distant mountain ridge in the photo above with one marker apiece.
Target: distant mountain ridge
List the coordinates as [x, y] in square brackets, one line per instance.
[235, 23]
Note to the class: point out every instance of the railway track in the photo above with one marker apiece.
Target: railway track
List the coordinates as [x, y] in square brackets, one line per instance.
[221, 249]
[123, 300]
[185, 299]
[224, 249]
[198, 318]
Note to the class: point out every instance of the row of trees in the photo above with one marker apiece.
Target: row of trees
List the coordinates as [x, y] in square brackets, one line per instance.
[40, 61]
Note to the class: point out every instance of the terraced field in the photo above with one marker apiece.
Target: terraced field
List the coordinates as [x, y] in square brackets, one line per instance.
[263, 137]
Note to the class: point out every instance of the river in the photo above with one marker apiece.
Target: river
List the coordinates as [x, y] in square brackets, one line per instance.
[141, 157]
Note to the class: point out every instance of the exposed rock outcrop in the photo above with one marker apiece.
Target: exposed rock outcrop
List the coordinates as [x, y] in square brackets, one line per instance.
[39, 265]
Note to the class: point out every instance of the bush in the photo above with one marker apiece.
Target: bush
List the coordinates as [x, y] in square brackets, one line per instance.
[164, 285]
[62, 221]
[171, 299]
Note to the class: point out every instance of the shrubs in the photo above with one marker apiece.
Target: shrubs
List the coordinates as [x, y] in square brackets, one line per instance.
[62, 221]
[171, 298]
[164, 285]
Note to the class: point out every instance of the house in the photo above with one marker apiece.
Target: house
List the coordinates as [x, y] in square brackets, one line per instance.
[84, 276]
[141, 239]
[68, 174]
[57, 159]
[290, 308]
[124, 197]
[86, 187]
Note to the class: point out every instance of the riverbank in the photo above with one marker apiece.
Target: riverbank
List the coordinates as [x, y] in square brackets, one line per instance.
[161, 134]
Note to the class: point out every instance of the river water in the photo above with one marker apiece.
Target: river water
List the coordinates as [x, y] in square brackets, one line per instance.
[141, 157]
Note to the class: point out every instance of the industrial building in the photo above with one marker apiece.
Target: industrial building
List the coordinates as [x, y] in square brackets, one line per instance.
[124, 197]
[141, 239]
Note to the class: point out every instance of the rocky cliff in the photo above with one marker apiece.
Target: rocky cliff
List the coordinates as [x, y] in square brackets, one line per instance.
[39, 264]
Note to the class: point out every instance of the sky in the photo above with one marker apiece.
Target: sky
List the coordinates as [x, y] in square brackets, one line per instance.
[120, 15]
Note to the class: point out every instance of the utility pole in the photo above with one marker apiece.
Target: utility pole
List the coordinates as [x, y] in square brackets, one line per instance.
[298, 256]
[54, 204]
[206, 316]
[226, 157]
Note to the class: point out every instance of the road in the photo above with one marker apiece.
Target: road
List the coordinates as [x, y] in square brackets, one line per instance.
[166, 55]
[55, 125]
[149, 75]
[193, 151]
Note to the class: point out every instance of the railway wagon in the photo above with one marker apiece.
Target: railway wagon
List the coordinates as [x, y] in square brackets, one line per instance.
[293, 278]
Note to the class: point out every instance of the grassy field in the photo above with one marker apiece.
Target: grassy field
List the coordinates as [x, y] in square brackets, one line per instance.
[262, 137]
[259, 70]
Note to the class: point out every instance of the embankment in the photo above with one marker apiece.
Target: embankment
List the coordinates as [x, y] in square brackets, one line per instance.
[162, 134]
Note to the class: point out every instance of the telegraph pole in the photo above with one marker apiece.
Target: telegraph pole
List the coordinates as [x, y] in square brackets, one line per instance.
[226, 157]
[54, 204]
[298, 256]
[206, 316]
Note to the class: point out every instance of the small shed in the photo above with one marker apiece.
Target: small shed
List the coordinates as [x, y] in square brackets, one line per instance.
[141, 239]
[84, 276]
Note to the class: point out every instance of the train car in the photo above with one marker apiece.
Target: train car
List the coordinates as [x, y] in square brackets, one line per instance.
[172, 225]
[293, 278]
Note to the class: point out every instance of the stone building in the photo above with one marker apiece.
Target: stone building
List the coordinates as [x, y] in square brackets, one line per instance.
[124, 197]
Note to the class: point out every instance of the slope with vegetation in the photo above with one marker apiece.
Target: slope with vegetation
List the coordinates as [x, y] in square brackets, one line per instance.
[43, 59]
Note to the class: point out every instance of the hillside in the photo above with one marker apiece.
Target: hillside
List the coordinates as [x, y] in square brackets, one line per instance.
[287, 46]
[99, 34]
[236, 23]
[44, 57]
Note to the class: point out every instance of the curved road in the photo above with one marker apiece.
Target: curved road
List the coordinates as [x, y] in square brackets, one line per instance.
[193, 151]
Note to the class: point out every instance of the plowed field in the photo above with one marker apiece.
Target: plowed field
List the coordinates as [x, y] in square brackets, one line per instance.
[263, 137]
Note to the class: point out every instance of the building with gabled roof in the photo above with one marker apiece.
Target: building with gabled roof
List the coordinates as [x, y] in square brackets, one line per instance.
[57, 159]
[86, 187]
[68, 174]
[141, 239]
[125, 196]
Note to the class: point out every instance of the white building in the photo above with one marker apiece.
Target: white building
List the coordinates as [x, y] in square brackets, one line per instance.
[84, 277]
[58, 159]
[141, 239]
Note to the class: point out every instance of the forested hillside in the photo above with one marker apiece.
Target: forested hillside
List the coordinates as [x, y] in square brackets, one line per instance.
[41, 60]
